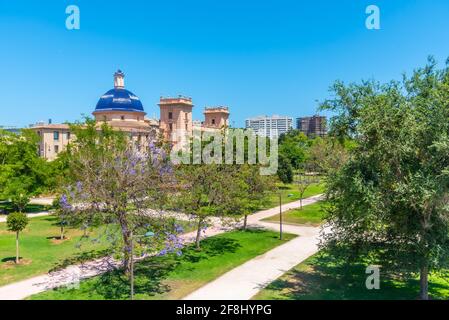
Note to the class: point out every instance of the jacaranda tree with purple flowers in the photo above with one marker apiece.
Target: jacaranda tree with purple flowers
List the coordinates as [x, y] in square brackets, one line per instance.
[118, 181]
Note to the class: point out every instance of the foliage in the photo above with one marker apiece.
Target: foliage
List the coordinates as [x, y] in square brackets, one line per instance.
[293, 146]
[205, 191]
[392, 193]
[115, 182]
[23, 173]
[329, 154]
[285, 169]
[251, 191]
[16, 221]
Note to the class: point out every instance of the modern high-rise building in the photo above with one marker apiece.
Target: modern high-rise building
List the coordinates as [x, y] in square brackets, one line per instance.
[271, 127]
[312, 126]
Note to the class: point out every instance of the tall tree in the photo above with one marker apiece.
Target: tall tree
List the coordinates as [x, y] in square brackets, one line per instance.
[22, 172]
[250, 191]
[116, 183]
[204, 192]
[391, 197]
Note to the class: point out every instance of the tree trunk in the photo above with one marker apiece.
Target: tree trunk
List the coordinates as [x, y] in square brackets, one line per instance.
[300, 203]
[17, 247]
[424, 282]
[245, 222]
[198, 234]
[126, 234]
[62, 232]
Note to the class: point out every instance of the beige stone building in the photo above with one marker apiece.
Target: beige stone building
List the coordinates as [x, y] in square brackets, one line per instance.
[123, 111]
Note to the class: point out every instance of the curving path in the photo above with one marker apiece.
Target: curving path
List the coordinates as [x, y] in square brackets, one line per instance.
[243, 282]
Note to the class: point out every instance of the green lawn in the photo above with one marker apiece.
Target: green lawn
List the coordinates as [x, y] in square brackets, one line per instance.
[324, 277]
[309, 215]
[173, 277]
[41, 252]
[287, 189]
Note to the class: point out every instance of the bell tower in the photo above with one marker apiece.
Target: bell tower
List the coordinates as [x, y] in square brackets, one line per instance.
[176, 119]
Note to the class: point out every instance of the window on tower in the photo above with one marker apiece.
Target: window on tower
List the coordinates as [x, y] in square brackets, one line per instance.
[170, 115]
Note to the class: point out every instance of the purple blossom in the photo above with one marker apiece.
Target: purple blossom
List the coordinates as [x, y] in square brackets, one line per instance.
[79, 186]
[65, 203]
[179, 229]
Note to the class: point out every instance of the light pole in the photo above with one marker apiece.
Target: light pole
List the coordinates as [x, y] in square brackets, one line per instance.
[131, 277]
[280, 214]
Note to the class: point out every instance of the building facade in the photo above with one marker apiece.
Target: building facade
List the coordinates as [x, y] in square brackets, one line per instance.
[314, 126]
[123, 111]
[271, 127]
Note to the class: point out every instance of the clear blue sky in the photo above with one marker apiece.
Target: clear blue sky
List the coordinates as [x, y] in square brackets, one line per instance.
[258, 57]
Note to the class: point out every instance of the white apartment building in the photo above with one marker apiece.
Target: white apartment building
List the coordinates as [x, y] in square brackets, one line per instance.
[271, 127]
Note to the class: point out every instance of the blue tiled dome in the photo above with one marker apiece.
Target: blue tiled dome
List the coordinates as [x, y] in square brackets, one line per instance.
[119, 99]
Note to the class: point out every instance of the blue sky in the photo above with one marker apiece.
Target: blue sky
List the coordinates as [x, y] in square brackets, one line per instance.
[257, 57]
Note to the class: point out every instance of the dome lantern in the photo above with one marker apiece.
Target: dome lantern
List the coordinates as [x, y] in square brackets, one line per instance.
[119, 80]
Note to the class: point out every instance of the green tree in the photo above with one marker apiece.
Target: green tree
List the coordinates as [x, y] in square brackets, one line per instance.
[293, 146]
[285, 169]
[119, 184]
[251, 191]
[329, 154]
[22, 172]
[204, 192]
[17, 222]
[390, 199]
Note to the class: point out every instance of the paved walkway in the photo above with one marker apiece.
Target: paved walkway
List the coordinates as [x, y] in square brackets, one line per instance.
[45, 201]
[29, 215]
[273, 263]
[248, 279]
[41, 201]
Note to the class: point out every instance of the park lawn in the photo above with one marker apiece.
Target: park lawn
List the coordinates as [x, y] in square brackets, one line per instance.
[173, 277]
[324, 277]
[309, 215]
[41, 251]
[292, 189]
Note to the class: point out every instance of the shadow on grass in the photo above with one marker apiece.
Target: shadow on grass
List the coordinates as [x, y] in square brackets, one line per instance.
[80, 258]
[150, 275]
[325, 277]
[9, 259]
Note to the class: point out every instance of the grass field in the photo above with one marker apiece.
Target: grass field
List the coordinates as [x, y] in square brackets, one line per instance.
[292, 189]
[309, 215]
[324, 277]
[173, 277]
[41, 251]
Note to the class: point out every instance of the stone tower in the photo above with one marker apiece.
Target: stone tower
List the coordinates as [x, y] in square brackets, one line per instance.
[176, 118]
[216, 117]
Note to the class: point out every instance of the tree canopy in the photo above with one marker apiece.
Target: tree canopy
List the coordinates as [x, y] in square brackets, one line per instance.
[391, 197]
